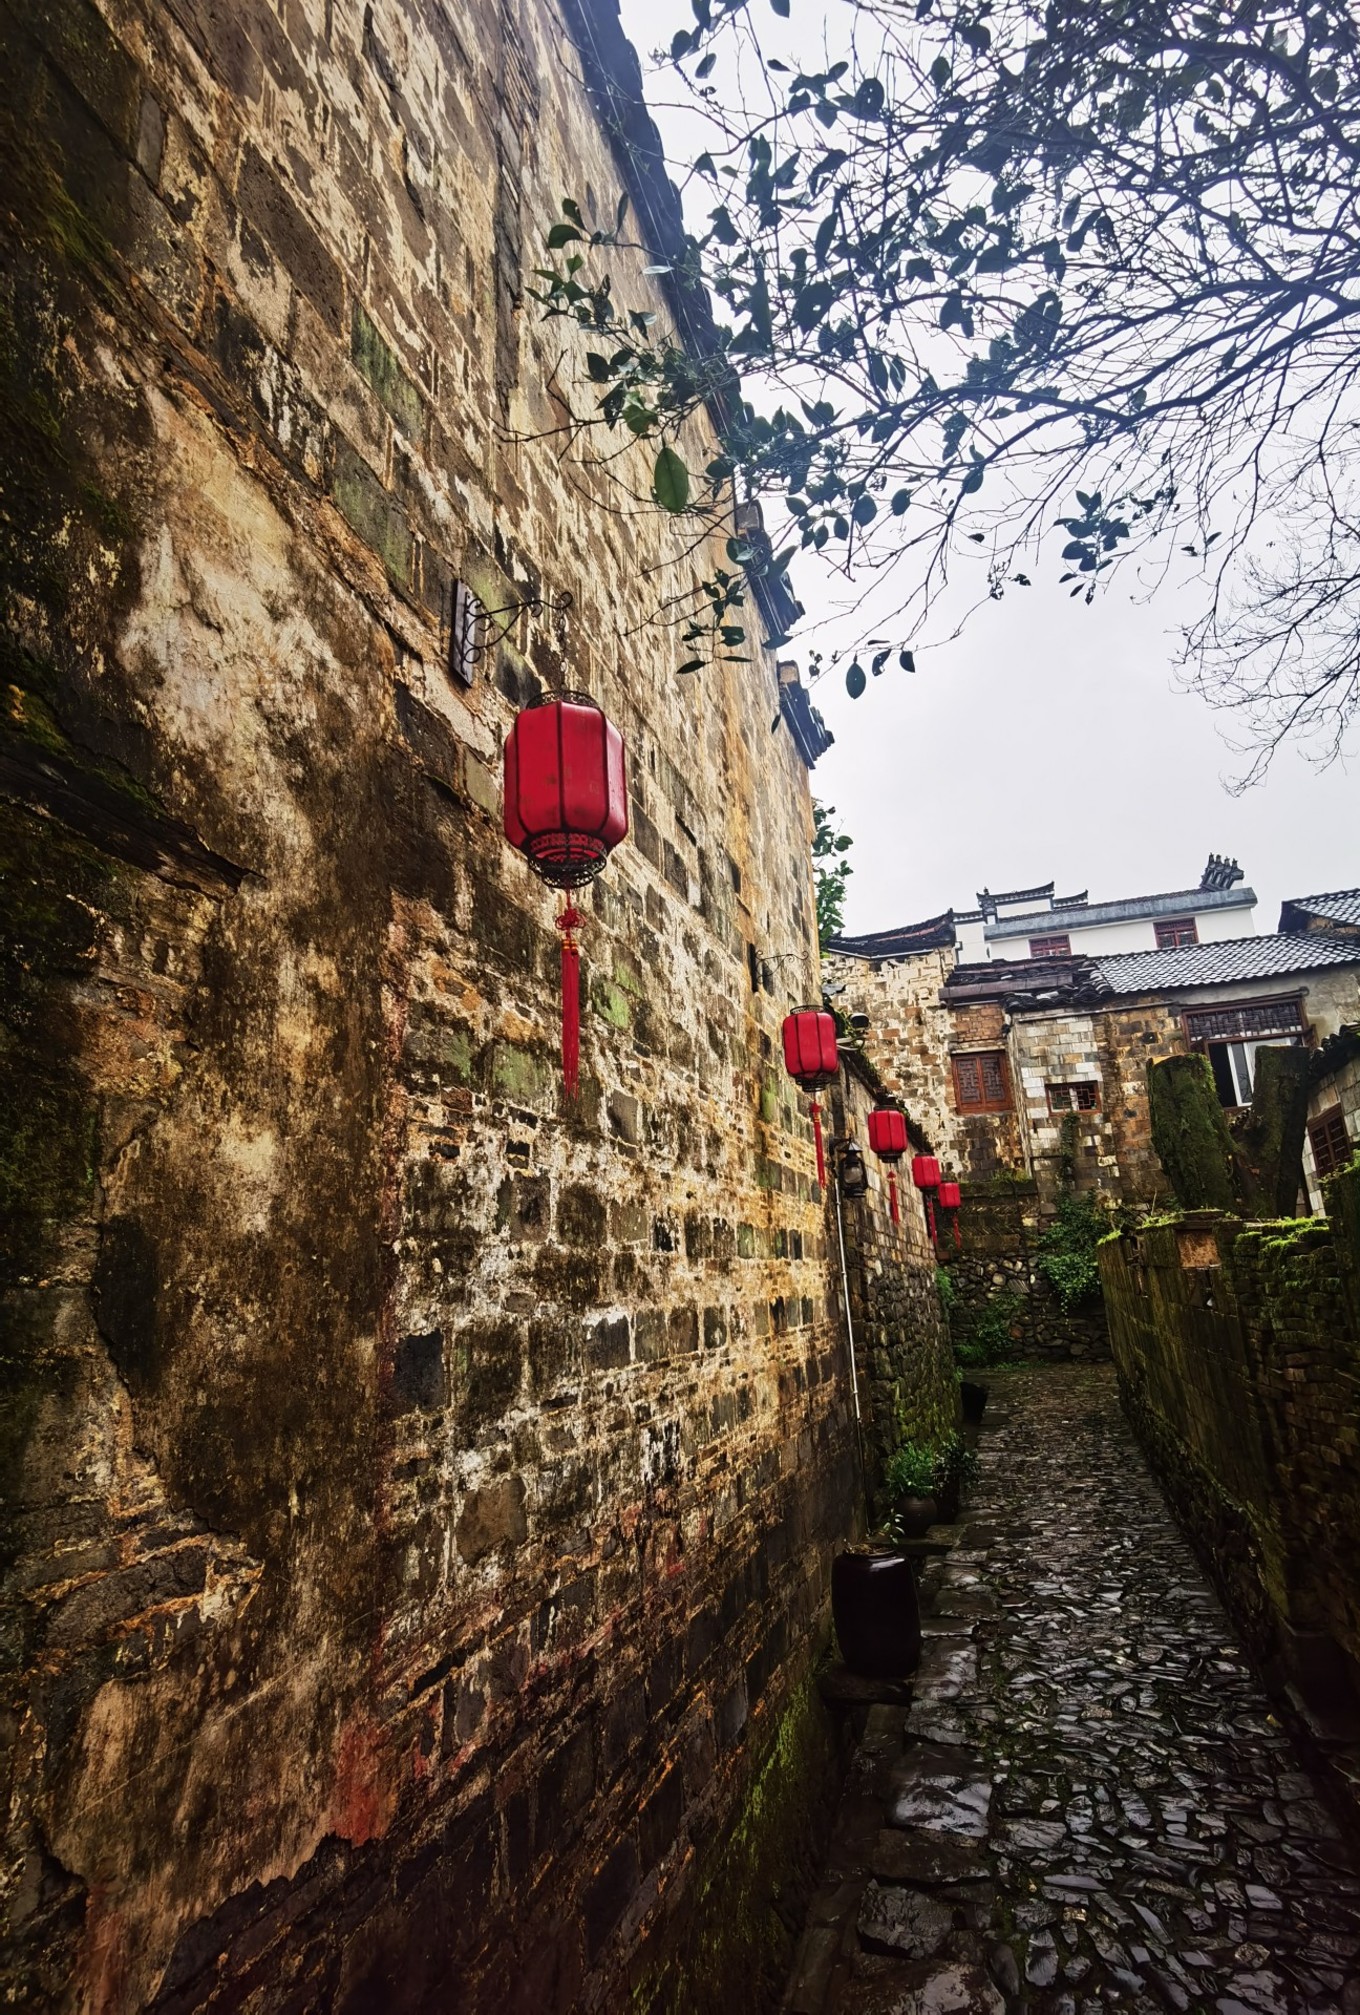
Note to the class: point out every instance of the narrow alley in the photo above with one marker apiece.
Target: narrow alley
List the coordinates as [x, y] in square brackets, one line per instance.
[1087, 1802]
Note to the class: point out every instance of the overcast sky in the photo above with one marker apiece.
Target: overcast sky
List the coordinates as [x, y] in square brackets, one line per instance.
[1050, 741]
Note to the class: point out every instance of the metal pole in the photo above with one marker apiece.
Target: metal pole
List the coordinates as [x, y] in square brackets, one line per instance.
[850, 1339]
[845, 1293]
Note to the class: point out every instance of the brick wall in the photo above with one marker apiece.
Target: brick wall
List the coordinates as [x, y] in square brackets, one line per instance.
[1236, 1347]
[907, 1388]
[421, 1490]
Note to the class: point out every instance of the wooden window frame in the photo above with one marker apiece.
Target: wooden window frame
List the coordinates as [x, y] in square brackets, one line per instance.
[1167, 931]
[1278, 1005]
[1331, 1141]
[1072, 1087]
[1003, 1102]
[1057, 945]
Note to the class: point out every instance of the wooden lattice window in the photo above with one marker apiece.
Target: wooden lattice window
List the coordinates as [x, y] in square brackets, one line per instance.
[1245, 1021]
[1083, 1097]
[1332, 1145]
[1175, 932]
[982, 1082]
[1059, 946]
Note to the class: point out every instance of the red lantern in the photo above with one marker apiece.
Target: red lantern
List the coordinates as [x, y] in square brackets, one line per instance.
[950, 1198]
[888, 1139]
[925, 1173]
[812, 1060]
[566, 806]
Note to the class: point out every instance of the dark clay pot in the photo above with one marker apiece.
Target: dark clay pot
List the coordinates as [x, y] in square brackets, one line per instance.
[878, 1619]
[915, 1515]
[974, 1398]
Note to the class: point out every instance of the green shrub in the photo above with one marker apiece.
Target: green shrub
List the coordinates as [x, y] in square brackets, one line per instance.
[911, 1470]
[987, 1340]
[1067, 1251]
[956, 1462]
[945, 1288]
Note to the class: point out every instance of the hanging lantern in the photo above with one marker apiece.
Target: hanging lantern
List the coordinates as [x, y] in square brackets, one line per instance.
[566, 806]
[925, 1173]
[812, 1060]
[950, 1198]
[888, 1139]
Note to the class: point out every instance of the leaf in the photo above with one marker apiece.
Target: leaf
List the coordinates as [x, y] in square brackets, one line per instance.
[900, 502]
[690, 665]
[598, 367]
[855, 681]
[781, 7]
[907, 660]
[648, 271]
[864, 510]
[621, 213]
[670, 481]
[561, 234]
[705, 68]
[880, 660]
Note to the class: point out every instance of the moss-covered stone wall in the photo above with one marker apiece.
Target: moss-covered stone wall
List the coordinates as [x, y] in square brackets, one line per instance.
[1238, 1352]
[907, 1387]
[420, 1489]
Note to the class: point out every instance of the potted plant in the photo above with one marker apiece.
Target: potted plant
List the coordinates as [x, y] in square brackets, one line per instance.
[955, 1467]
[910, 1483]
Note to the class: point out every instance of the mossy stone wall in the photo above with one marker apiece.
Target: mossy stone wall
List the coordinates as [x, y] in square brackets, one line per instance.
[1238, 1352]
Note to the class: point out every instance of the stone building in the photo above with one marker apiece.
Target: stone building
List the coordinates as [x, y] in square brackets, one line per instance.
[420, 1488]
[1028, 1074]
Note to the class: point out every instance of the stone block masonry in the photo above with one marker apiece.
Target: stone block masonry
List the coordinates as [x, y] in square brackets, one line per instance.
[995, 1269]
[420, 1492]
[907, 1389]
[1237, 1347]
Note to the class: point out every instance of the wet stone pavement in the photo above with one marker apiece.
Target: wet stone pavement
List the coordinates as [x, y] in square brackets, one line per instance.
[1082, 1801]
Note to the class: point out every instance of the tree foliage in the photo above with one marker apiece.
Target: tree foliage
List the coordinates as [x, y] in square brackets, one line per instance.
[1044, 281]
[831, 872]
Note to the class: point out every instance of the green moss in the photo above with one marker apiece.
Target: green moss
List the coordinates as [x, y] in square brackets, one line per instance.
[519, 1074]
[611, 1003]
[1189, 1133]
[740, 1925]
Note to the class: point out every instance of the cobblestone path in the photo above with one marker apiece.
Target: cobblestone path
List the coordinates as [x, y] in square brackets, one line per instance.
[1087, 1803]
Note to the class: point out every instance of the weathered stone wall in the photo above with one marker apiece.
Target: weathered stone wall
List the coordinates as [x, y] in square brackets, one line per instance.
[994, 1266]
[1237, 1348]
[420, 1491]
[907, 1388]
[1336, 1092]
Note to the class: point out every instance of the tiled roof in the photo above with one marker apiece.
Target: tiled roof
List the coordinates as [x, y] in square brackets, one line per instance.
[1219, 964]
[1129, 909]
[929, 934]
[1342, 906]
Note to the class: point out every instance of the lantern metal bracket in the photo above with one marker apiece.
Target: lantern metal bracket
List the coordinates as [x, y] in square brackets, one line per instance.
[473, 634]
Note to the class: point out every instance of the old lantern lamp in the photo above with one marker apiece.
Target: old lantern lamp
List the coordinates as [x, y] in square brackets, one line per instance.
[888, 1139]
[566, 808]
[854, 1176]
[812, 1061]
[925, 1173]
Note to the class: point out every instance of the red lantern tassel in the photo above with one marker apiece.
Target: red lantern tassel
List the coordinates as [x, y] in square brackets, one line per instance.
[892, 1195]
[958, 1240]
[568, 923]
[817, 1136]
[930, 1218]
